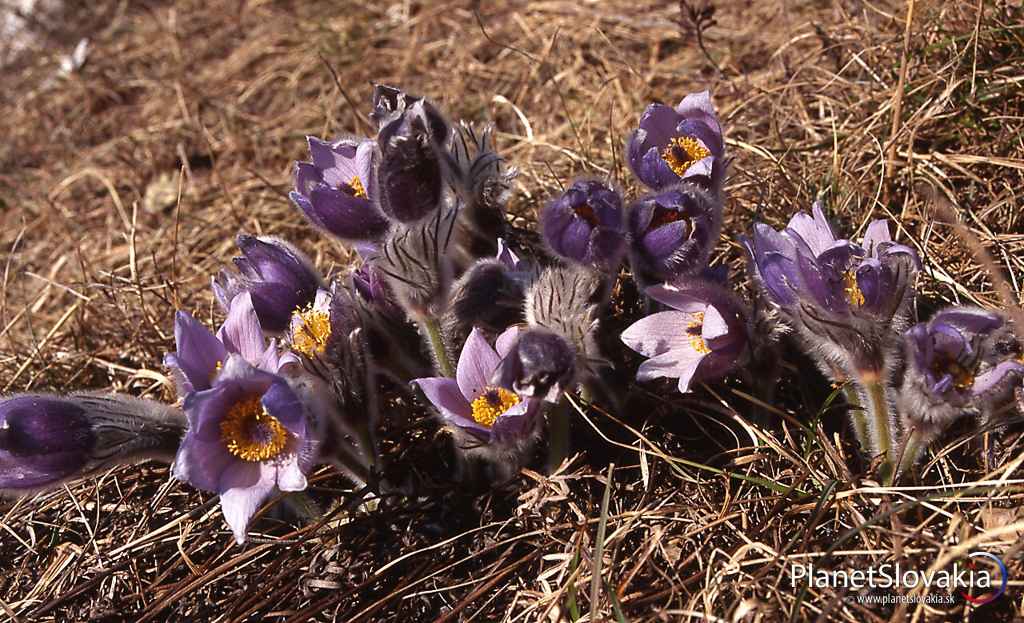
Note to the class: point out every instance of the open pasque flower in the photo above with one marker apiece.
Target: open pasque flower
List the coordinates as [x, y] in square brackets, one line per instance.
[586, 225]
[337, 191]
[700, 338]
[247, 434]
[279, 277]
[681, 143]
[847, 300]
[472, 404]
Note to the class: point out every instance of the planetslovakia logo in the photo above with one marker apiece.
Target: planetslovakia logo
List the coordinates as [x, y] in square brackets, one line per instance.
[989, 597]
[978, 584]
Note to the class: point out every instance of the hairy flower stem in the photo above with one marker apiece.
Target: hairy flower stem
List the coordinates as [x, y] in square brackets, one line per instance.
[432, 329]
[914, 445]
[876, 402]
[857, 415]
[558, 435]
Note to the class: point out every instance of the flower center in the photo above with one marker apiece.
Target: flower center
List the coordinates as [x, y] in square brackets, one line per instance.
[664, 216]
[963, 379]
[852, 290]
[310, 336]
[250, 433]
[355, 188]
[585, 212]
[216, 370]
[694, 330]
[682, 152]
[488, 406]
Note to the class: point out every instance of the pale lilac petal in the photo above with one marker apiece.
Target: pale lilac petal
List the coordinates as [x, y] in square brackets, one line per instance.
[991, 378]
[477, 363]
[506, 341]
[243, 490]
[289, 475]
[675, 298]
[660, 333]
[445, 395]
[876, 233]
[714, 324]
[241, 332]
[681, 364]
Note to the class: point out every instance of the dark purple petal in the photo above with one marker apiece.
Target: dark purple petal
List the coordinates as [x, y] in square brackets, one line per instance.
[341, 214]
[281, 402]
[42, 441]
[198, 354]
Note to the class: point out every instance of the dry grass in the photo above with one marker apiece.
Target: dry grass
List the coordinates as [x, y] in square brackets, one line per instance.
[709, 505]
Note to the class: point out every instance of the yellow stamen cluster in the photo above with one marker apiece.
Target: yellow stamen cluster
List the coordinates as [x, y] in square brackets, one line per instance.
[963, 379]
[358, 190]
[252, 434]
[682, 152]
[852, 290]
[492, 403]
[694, 330]
[216, 370]
[310, 336]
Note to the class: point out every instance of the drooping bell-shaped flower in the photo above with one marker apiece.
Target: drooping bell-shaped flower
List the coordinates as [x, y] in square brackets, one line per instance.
[410, 175]
[673, 232]
[247, 435]
[488, 296]
[200, 354]
[586, 225]
[474, 407]
[337, 191]
[540, 364]
[847, 300]
[279, 277]
[390, 103]
[47, 439]
[681, 143]
[700, 338]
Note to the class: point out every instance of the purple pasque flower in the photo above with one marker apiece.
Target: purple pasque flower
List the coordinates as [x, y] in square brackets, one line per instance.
[337, 191]
[279, 277]
[673, 232]
[699, 339]
[390, 103]
[586, 225]
[43, 440]
[848, 300]
[473, 403]
[951, 357]
[200, 354]
[47, 439]
[410, 176]
[247, 435]
[681, 143]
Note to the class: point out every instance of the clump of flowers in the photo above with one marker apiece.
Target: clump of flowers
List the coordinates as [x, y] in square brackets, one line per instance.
[492, 333]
